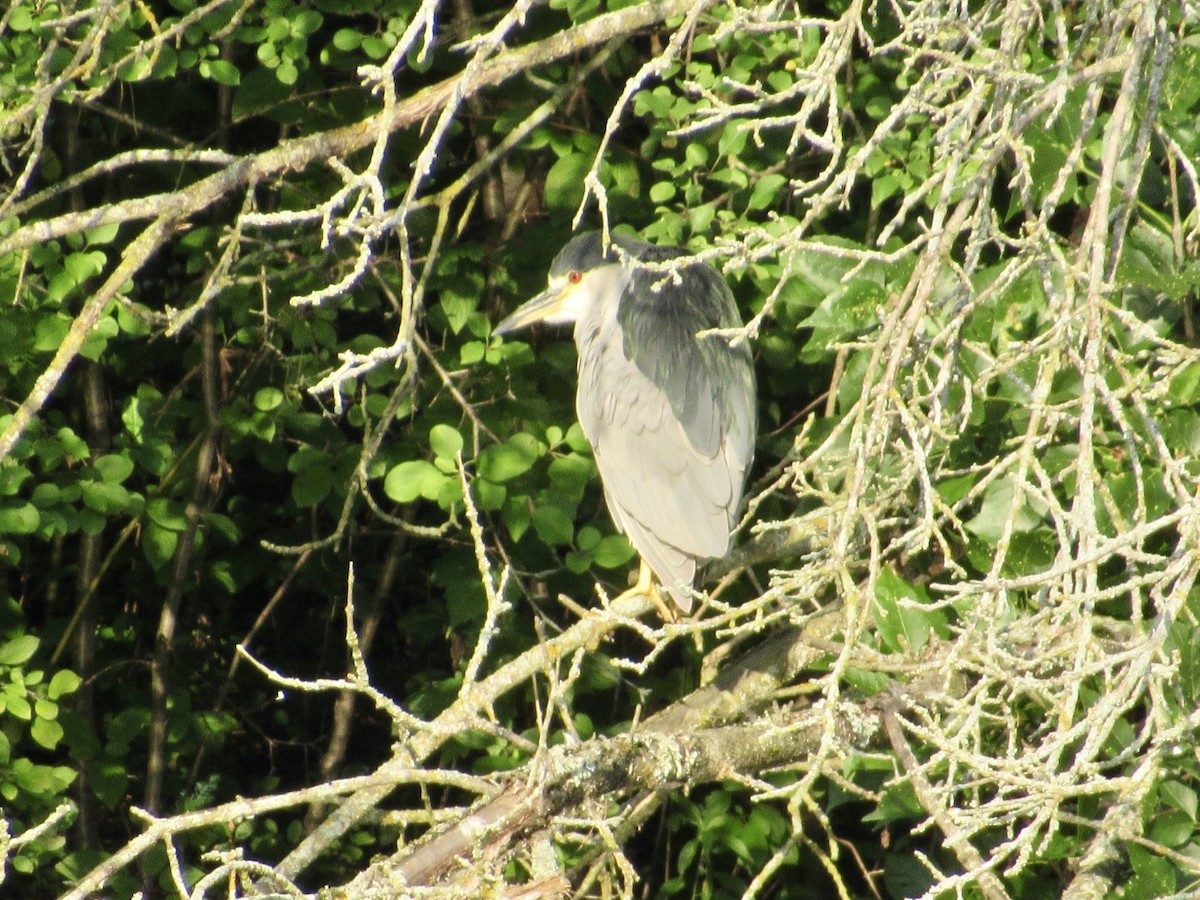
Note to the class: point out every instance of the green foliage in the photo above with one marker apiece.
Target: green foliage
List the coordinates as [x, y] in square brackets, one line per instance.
[710, 155]
[731, 841]
[31, 731]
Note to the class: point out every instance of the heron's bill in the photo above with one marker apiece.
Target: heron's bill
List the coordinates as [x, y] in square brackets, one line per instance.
[549, 305]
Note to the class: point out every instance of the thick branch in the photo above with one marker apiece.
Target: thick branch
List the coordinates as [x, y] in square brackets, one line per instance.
[676, 746]
[573, 776]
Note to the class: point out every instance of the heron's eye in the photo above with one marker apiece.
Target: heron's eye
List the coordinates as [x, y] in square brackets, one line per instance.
[575, 277]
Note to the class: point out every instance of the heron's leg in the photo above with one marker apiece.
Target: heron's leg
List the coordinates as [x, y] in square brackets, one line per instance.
[645, 586]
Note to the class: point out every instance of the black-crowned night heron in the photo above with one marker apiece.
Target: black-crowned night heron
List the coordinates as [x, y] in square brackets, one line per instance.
[670, 413]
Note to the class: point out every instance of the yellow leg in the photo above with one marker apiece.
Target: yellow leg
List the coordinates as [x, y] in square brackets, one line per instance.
[645, 586]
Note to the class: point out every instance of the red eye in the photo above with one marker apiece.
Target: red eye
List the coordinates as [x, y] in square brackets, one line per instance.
[575, 277]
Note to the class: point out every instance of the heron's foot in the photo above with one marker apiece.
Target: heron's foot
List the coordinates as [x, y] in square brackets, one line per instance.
[666, 610]
[645, 587]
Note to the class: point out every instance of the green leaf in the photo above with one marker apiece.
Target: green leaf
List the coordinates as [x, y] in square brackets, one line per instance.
[221, 71]
[12, 476]
[167, 513]
[564, 181]
[222, 573]
[267, 399]
[136, 69]
[1185, 386]
[374, 47]
[576, 439]
[21, 19]
[16, 705]
[18, 650]
[461, 292]
[72, 444]
[869, 683]
[488, 495]
[578, 562]
[45, 495]
[954, 489]
[587, 538]
[656, 103]
[41, 781]
[46, 733]
[1172, 829]
[97, 339]
[696, 155]
[458, 575]
[306, 22]
[103, 497]
[132, 418]
[1154, 876]
[312, 484]
[158, 543]
[127, 726]
[899, 802]
[102, 234]
[662, 191]
[114, 468]
[287, 73]
[517, 515]
[346, 39]
[407, 481]
[19, 518]
[578, 10]
[109, 780]
[504, 462]
[445, 441]
[997, 504]
[49, 332]
[847, 311]
[1181, 431]
[766, 191]
[1180, 796]
[905, 875]
[448, 491]
[613, 552]
[64, 682]
[216, 523]
[471, 352]
[571, 474]
[903, 625]
[82, 266]
[553, 525]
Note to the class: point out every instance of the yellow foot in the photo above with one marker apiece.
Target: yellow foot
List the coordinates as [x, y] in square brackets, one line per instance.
[645, 587]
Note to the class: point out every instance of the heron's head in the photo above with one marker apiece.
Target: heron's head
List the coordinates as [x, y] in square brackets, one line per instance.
[575, 283]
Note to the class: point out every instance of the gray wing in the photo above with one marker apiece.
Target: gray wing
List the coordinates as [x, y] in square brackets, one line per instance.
[672, 421]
